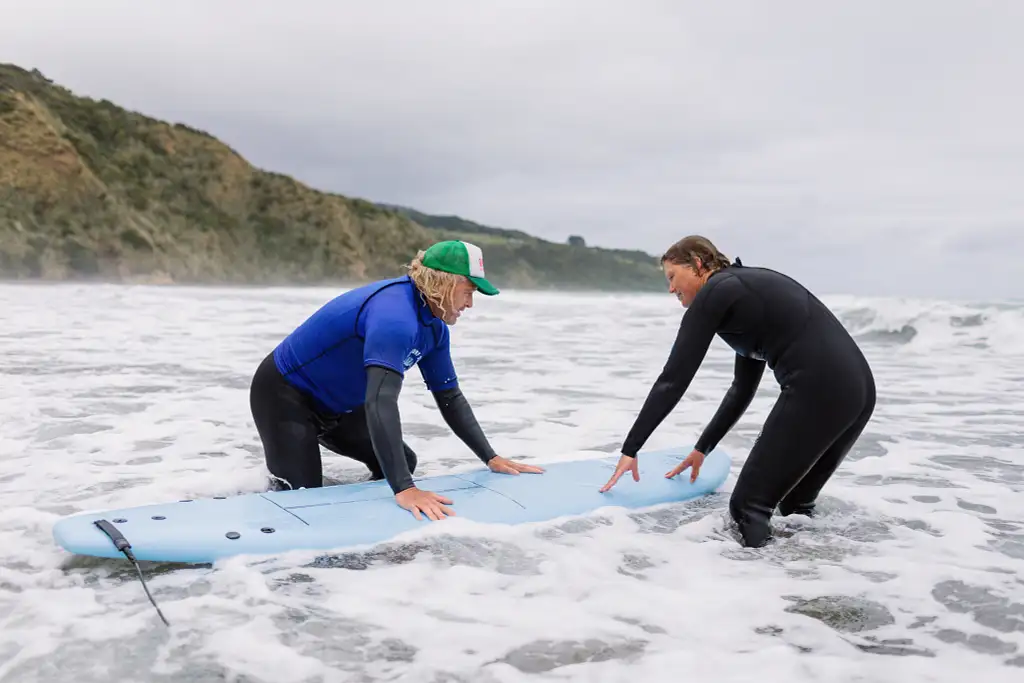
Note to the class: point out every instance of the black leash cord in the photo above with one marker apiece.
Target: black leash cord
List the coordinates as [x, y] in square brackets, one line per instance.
[122, 544]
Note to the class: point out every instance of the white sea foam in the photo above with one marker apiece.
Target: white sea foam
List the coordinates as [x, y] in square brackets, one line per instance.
[116, 396]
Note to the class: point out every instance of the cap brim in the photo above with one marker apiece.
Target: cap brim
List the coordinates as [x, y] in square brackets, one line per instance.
[483, 286]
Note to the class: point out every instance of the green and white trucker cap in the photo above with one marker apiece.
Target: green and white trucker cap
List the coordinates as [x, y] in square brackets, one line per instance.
[460, 258]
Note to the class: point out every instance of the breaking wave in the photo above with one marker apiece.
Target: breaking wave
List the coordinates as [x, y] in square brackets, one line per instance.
[900, 322]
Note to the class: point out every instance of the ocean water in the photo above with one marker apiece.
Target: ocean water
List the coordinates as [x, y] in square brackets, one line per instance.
[121, 395]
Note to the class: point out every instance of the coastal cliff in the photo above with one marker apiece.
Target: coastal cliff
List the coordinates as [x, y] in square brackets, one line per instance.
[92, 191]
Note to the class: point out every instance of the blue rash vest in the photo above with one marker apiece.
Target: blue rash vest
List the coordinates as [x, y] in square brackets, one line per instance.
[385, 323]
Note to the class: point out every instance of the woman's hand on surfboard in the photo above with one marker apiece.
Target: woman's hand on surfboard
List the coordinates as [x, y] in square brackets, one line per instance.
[695, 459]
[502, 466]
[429, 503]
[626, 464]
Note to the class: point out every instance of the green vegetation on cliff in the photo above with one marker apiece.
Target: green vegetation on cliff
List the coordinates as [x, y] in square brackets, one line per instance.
[91, 190]
[517, 259]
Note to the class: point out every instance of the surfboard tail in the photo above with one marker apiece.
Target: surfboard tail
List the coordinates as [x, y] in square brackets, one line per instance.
[123, 546]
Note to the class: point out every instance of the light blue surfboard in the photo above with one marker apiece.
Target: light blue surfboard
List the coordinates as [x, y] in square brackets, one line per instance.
[352, 515]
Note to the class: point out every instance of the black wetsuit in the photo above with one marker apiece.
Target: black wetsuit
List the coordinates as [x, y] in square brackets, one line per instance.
[827, 389]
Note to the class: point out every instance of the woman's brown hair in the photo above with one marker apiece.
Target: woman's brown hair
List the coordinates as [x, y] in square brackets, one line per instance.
[693, 249]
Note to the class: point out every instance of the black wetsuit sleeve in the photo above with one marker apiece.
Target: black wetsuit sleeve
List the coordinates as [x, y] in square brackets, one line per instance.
[746, 378]
[691, 345]
[458, 414]
[385, 425]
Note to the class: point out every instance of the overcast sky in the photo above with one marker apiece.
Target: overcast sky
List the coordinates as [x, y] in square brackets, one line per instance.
[824, 139]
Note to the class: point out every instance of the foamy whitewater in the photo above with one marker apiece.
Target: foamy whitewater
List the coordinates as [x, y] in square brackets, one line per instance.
[116, 396]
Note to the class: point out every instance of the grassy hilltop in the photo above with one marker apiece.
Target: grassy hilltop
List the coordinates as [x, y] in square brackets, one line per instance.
[89, 190]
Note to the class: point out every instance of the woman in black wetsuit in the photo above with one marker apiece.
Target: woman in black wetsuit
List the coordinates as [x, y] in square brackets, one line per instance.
[827, 388]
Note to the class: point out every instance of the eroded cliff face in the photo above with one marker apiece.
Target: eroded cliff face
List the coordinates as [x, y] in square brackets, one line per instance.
[88, 189]
[91, 190]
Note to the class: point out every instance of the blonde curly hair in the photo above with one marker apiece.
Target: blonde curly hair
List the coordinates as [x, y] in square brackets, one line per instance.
[436, 286]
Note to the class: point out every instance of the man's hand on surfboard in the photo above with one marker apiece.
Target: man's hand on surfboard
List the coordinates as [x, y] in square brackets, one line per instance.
[695, 459]
[626, 464]
[429, 503]
[502, 466]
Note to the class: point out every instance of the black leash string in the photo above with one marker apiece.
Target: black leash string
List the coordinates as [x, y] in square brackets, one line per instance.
[122, 544]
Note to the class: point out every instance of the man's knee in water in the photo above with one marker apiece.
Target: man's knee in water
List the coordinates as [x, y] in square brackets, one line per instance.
[410, 458]
[376, 473]
[276, 483]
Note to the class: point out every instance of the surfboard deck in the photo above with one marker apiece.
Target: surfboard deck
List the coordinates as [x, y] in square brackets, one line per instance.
[352, 515]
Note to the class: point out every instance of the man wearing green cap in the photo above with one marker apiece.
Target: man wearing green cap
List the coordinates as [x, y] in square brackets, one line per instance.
[335, 380]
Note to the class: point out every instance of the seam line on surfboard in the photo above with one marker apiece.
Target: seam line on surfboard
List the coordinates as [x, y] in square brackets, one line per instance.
[491, 490]
[366, 500]
[285, 509]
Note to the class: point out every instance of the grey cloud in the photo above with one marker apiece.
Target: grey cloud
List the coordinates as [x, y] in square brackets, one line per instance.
[818, 137]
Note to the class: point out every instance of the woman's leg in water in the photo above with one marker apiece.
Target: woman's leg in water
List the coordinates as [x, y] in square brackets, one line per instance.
[287, 429]
[801, 498]
[350, 436]
[800, 428]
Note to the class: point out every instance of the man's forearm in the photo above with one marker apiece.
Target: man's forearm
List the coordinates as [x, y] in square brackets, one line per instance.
[385, 425]
[458, 414]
